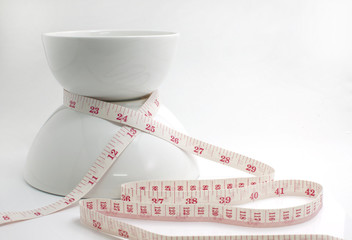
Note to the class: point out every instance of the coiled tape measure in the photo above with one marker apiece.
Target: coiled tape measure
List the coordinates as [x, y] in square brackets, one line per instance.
[179, 200]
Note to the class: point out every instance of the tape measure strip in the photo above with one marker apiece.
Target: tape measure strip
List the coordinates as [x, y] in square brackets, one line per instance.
[106, 158]
[196, 200]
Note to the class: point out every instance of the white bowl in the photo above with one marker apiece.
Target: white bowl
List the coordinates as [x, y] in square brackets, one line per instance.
[69, 143]
[110, 64]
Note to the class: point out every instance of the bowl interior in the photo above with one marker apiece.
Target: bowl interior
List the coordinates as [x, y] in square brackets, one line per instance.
[110, 65]
[109, 33]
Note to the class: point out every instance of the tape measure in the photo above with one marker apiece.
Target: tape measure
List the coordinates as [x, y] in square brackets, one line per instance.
[179, 200]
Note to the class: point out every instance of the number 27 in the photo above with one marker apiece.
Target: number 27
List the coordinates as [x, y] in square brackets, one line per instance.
[198, 150]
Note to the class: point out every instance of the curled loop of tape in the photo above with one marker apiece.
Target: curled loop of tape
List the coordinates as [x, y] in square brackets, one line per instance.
[179, 200]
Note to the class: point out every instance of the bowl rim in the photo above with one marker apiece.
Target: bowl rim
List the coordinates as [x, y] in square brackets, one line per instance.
[99, 33]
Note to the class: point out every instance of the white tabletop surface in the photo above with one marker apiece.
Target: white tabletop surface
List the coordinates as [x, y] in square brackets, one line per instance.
[268, 79]
[298, 149]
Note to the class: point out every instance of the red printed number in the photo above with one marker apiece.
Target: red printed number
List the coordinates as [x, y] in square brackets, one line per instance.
[125, 198]
[148, 114]
[69, 201]
[72, 104]
[175, 140]
[94, 178]
[120, 117]
[279, 191]
[132, 132]
[310, 192]
[156, 102]
[224, 159]
[198, 150]
[251, 168]
[113, 153]
[6, 217]
[158, 200]
[191, 200]
[224, 199]
[94, 110]
[254, 196]
[96, 224]
[150, 128]
[123, 233]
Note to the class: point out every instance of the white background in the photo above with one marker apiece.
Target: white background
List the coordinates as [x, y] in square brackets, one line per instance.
[269, 79]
